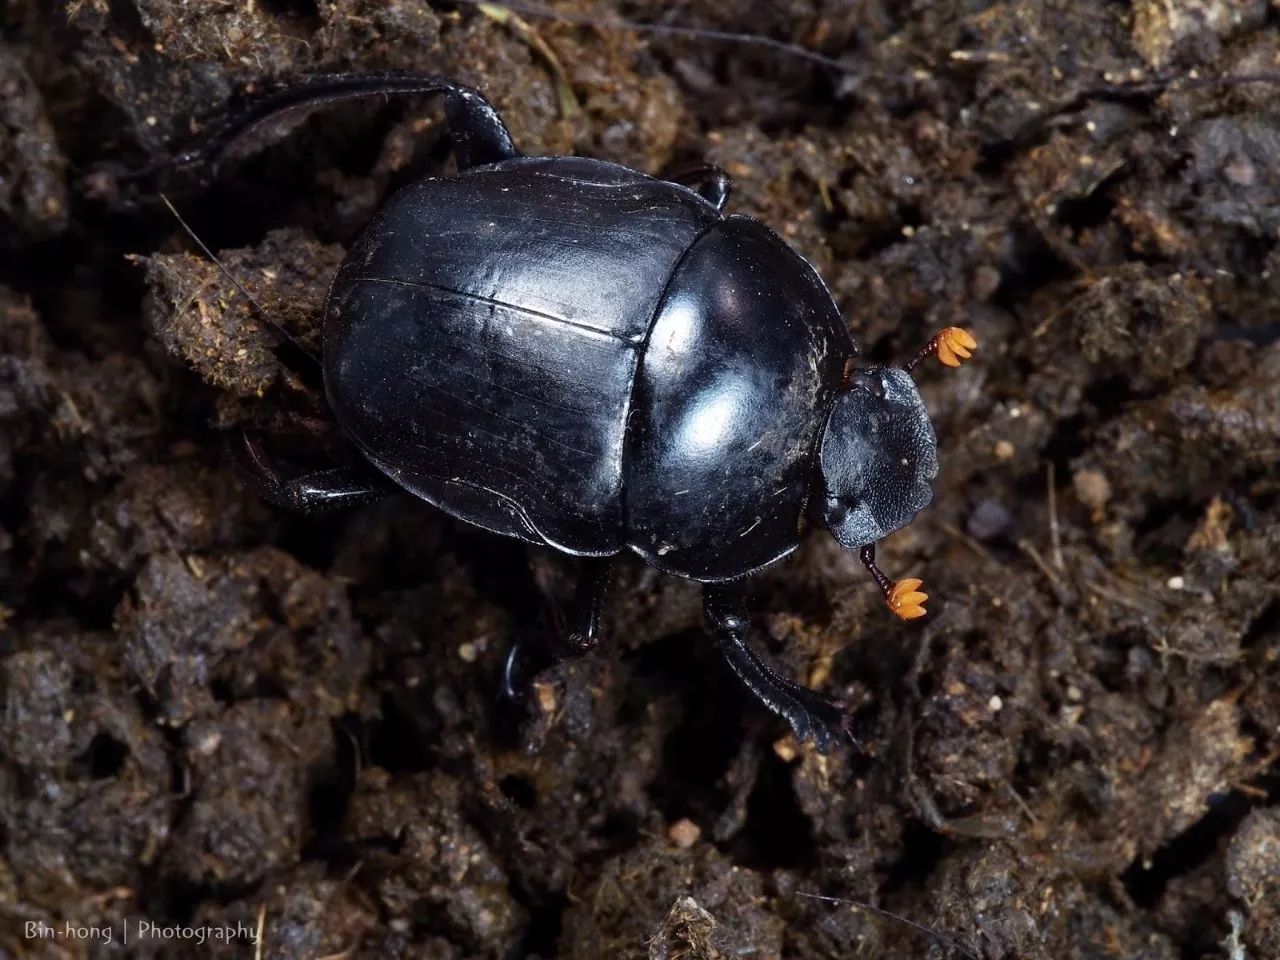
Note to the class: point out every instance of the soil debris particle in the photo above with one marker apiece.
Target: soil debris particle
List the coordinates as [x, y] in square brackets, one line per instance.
[686, 932]
[200, 631]
[246, 811]
[1137, 318]
[1253, 876]
[84, 774]
[33, 192]
[421, 857]
[1162, 27]
[653, 901]
[1230, 163]
[298, 913]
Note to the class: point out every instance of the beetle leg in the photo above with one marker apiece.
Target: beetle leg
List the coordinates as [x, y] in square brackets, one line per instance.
[564, 641]
[903, 596]
[707, 181]
[479, 135]
[581, 636]
[513, 673]
[808, 713]
[315, 492]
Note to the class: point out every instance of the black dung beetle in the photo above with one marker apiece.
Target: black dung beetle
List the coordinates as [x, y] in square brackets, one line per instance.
[582, 356]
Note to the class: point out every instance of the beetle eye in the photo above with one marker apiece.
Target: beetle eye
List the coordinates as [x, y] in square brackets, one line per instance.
[837, 509]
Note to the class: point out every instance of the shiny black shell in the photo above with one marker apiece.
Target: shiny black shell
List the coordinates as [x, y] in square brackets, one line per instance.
[573, 353]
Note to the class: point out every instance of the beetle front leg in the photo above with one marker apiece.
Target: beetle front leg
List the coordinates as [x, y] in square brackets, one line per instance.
[809, 714]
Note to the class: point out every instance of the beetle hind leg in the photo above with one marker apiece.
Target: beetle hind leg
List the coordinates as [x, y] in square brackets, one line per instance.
[479, 134]
[808, 713]
[705, 179]
[315, 492]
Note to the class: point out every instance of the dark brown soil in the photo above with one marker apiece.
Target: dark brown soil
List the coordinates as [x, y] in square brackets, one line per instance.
[216, 713]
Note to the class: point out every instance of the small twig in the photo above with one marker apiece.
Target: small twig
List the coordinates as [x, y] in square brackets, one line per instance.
[115, 893]
[262, 920]
[508, 17]
[889, 915]
[1026, 808]
[1166, 650]
[700, 33]
[824, 193]
[1249, 790]
[980, 56]
[1117, 596]
[1040, 562]
[953, 531]
[1055, 537]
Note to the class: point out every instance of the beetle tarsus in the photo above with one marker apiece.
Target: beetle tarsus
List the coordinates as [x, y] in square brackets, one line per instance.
[809, 714]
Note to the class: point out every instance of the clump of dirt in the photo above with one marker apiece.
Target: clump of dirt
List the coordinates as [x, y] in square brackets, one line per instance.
[221, 716]
[224, 340]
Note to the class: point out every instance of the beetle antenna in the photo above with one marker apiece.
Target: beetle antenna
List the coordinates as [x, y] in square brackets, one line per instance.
[937, 935]
[697, 33]
[903, 596]
[258, 309]
[951, 346]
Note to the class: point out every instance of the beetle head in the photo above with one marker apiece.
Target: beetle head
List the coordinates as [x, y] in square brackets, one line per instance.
[877, 456]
